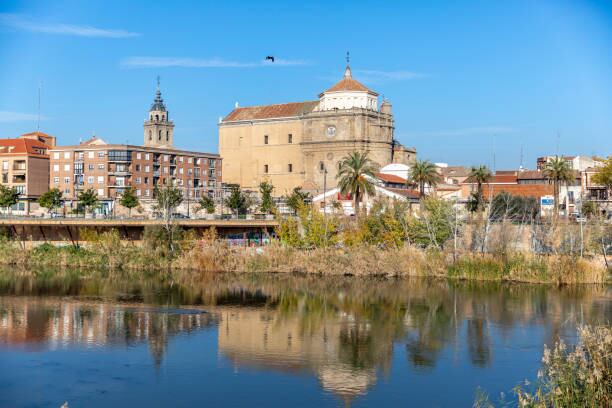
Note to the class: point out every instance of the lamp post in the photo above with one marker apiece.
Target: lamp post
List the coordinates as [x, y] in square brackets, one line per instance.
[324, 169]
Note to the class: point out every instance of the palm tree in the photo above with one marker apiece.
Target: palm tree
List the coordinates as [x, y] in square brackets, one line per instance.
[424, 172]
[479, 175]
[353, 174]
[558, 170]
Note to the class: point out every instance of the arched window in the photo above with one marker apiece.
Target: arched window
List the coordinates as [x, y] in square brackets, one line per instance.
[159, 136]
[150, 135]
[163, 118]
[151, 117]
[167, 136]
[157, 118]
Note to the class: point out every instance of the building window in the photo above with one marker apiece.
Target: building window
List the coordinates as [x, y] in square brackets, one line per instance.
[56, 167]
[167, 136]
[90, 155]
[265, 139]
[146, 193]
[138, 156]
[147, 156]
[101, 155]
[56, 180]
[159, 136]
[146, 180]
[138, 167]
[66, 167]
[56, 155]
[137, 193]
[290, 138]
[166, 157]
[290, 168]
[147, 169]
[321, 166]
[66, 180]
[100, 179]
[100, 192]
[266, 168]
[66, 155]
[90, 166]
[138, 180]
[90, 179]
[100, 166]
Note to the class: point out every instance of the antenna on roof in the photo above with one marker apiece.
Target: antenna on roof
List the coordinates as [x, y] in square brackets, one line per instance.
[158, 82]
[38, 117]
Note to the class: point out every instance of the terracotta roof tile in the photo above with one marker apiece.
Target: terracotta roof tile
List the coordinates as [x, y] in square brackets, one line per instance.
[350, 84]
[524, 190]
[405, 192]
[22, 146]
[390, 178]
[283, 110]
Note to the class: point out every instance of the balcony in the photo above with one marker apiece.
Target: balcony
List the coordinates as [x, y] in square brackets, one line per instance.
[19, 179]
[119, 173]
[19, 167]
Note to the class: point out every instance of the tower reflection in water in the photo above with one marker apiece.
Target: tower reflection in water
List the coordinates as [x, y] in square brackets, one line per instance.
[344, 332]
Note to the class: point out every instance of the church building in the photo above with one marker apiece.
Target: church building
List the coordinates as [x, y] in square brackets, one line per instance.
[300, 144]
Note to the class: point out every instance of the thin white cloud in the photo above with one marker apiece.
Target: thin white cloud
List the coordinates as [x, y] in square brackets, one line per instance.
[22, 23]
[8, 116]
[164, 62]
[473, 131]
[371, 75]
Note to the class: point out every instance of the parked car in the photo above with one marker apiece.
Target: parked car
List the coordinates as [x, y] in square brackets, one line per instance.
[180, 216]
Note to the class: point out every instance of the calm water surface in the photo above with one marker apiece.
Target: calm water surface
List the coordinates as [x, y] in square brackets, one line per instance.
[276, 341]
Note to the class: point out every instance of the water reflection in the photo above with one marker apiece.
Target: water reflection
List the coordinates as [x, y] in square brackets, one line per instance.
[52, 323]
[343, 331]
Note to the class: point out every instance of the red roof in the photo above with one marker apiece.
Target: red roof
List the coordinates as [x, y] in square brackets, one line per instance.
[525, 190]
[390, 178]
[282, 110]
[349, 84]
[22, 146]
[405, 192]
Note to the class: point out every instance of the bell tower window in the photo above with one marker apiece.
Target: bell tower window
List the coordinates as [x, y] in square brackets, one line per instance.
[167, 136]
[159, 135]
[157, 118]
[150, 135]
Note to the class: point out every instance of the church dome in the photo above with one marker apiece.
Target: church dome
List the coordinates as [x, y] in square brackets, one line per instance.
[348, 84]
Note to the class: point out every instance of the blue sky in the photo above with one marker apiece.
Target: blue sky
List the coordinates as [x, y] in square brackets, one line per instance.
[467, 79]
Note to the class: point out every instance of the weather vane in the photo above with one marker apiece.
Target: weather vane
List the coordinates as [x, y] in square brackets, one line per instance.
[348, 58]
[158, 82]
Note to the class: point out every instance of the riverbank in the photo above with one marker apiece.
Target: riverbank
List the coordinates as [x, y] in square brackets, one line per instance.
[108, 251]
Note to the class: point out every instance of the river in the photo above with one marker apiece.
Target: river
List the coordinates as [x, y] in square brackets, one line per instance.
[277, 340]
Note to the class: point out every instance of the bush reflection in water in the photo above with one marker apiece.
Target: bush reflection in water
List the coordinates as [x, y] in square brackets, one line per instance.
[343, 330]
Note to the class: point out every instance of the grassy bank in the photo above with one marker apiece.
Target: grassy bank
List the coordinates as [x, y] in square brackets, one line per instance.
[207, 254]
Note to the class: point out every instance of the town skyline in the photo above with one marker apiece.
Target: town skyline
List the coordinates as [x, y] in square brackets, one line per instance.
[102, 79]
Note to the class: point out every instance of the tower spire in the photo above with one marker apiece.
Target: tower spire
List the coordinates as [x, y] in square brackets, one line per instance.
[347, 71]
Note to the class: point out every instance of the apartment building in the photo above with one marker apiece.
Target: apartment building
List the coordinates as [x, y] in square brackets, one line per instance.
[109, 169]
[24, 165]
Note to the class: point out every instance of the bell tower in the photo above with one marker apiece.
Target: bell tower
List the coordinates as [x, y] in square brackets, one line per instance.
[158, 129]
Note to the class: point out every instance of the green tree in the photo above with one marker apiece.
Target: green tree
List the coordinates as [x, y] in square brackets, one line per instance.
[129, 200]
[8, 196]
[479, 175]
[167, 199]
[207, 204]
[423, 172]
[88, 199]
[604, 175]
[296, 199]
[354, 174]
[558, 171]
[434, 225]
[513, 207]
[237, 201]
[51, 199]
[265, 189]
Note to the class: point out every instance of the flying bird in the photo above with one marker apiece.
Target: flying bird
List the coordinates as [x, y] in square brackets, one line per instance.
[270, 58]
